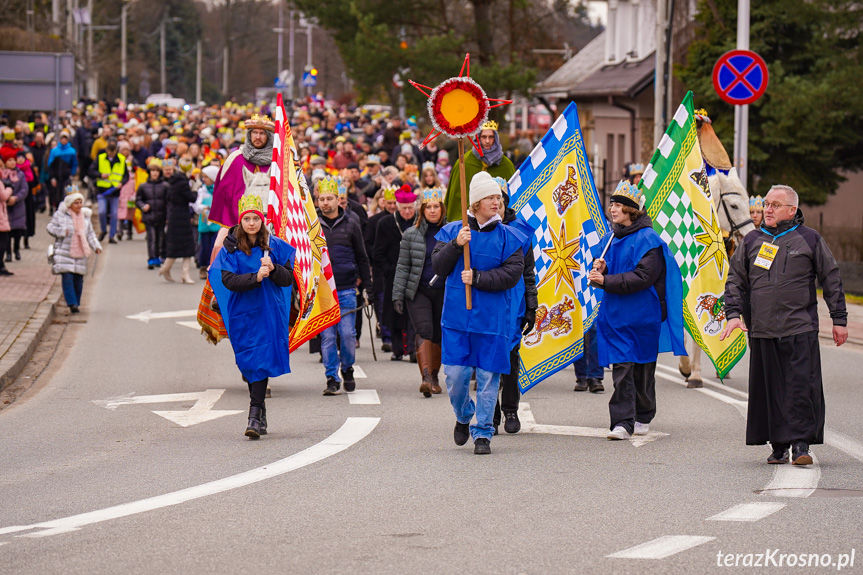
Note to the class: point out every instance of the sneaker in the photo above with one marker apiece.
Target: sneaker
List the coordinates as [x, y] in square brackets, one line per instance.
[348, 378]
[595, 385]
[332, 387]
[482, 446]
[74, 309]
[580, 385]
[461, 433]
[512, 424]
[641, 428]
[618, 433]
[395, 357]
[800, 454]
[779, 455]
[112, 241]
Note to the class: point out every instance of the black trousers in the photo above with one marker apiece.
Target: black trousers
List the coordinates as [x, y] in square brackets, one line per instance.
[425, 312]
[155, 241]
[510, 393]
[4, 244]
[634, 397]
[258, 392]
[402, 331]
[15, 243]
[786, 395]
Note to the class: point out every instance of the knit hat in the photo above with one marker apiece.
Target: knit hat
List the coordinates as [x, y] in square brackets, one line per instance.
[482, 186]
[211, 172]
[443, 154]
[251, 203]
[72, 194]
[628, 195]
[404, 195]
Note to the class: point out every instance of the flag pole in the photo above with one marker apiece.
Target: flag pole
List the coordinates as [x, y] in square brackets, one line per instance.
[464, 221]
[602, 255]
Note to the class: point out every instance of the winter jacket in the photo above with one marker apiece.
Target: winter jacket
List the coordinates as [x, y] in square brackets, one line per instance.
[179, 238]
[17, 214]
[156, 195]
[531, 298]
[412, 255]
[62, 162]
[782, 300]
[369, 239]
[62, 227]
[5, 194]
[347, 251]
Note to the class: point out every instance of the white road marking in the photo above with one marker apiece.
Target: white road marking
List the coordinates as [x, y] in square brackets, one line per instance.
[747, 512]
[843, 443]
[737, 403]
[662, 547]
[529, 425]
[794, 480]
[199, 413]
[146, 316]
[190, 324]
[364, 397]
[359, 373]
[710, 382]
[352, 431]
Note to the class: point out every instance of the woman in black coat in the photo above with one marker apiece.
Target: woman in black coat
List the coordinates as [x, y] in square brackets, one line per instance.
[179, 236]
[152, 200]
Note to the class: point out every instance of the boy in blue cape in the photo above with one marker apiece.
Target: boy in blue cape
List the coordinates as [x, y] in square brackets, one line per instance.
[641, 314]
[252, 279]
[479, 339]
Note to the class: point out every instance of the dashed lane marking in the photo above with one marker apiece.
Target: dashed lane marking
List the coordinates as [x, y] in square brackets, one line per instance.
[794, 480]
[364, 397]
[750, 512]
[351, 432]
[662, 547]
[359, 373]
[529, 425]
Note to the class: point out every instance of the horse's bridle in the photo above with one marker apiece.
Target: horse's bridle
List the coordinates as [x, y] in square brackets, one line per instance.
[734, 227]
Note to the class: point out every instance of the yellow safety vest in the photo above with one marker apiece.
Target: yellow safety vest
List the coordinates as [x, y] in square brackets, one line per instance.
[115, 172]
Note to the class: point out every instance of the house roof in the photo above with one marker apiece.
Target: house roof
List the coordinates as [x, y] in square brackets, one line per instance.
[585, 62]
[625, 79]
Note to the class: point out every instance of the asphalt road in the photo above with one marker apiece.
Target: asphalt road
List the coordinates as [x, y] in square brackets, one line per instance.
[90, 486]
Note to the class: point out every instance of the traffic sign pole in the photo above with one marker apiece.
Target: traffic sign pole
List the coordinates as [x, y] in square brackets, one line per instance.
[741, 113]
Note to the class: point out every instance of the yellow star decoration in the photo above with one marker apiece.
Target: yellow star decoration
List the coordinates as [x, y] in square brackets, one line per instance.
[562, 264]
[714, 246]
[317, 237]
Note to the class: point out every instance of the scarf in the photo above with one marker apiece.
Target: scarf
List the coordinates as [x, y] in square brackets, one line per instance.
[80, 247]
[259, 156]
[493, 156]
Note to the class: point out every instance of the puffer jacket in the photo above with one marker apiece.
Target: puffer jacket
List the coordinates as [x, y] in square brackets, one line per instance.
[5, 194]
[412, 255]
[62, 227]
[17, 214]
[156, 195]
[782, 301]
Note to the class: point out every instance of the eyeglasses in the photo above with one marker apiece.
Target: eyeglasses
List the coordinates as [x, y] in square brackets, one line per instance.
[776, 206]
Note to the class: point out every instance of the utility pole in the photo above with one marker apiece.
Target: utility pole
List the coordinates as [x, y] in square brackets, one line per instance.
[199, 70]
[658, 83]
[281, 36]
[124, 76]
[92, 81]
[162, 75]
[309, 49]
[225, 71]
[291, 56]
[741, 113]
[55, 17]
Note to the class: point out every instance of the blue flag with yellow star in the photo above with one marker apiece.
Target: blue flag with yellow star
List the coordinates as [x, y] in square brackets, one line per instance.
[679, 201]
[553, 191]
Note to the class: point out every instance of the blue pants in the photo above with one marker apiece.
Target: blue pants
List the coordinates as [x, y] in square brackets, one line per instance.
[345, 331]
[73, 286]
[587, 366]
[458, 387]
[206, 241]
[386, 336]
[108, 205]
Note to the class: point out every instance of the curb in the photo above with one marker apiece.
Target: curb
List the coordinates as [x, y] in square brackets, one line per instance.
[28, 339]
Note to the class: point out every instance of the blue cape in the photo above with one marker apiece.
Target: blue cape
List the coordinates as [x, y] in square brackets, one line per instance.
[630, 327]
[480, 337]
[257, 321]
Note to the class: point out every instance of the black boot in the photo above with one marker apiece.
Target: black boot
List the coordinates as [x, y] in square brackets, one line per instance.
[253, 430]
[128, 230]
[264, 420]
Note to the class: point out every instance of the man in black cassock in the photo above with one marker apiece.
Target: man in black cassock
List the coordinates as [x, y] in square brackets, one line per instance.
[772, 285]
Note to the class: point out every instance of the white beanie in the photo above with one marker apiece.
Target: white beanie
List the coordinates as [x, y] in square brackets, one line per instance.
[70, 198]
[482, 186]
[211, 172]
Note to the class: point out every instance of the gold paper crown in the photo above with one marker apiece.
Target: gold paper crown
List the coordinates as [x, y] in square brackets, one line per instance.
[489, 125]
[260, 122]
[432, 195]
[390, 193]
[630, 192]
[328, 186]
[251, 202]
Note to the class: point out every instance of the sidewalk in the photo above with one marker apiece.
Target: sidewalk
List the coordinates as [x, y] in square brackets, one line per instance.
[27, 303]
[855, 323]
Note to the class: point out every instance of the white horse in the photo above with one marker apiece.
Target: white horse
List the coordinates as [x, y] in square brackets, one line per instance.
[732, 207]
[258, 184]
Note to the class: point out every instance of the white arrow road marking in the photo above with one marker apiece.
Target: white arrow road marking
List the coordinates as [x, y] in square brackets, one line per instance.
[529, 425]
[662, 547]
[352, 431]
[199, 413]
[747, 512]
[146, 316]
[364, 397]
[191, 324]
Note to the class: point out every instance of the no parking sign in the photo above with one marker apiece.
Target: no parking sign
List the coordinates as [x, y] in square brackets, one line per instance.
[740, 77]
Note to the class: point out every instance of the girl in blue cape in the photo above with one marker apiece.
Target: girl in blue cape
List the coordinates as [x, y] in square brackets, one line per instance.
[251, 279]
[479, 339]
[641, 313]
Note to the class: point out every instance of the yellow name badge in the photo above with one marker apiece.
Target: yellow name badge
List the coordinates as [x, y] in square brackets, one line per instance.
[766, 255]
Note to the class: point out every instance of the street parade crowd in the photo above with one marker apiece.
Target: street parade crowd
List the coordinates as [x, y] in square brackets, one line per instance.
[390, 211]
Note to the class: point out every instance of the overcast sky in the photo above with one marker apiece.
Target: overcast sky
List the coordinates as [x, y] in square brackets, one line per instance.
[597, 11]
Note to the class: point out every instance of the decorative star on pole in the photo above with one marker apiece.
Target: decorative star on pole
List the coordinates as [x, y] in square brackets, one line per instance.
[563, 264]
[714, 246]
